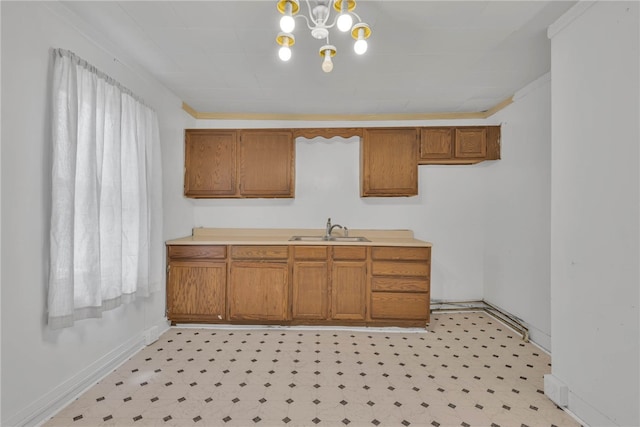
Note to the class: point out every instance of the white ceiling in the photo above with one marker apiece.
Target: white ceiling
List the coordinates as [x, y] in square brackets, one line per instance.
[423, 57]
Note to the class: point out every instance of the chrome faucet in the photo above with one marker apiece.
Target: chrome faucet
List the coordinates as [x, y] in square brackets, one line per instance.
[329, 229]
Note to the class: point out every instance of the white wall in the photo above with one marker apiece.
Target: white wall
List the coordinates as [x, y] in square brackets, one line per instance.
[595, 210]
[39, 366]
[518, 213]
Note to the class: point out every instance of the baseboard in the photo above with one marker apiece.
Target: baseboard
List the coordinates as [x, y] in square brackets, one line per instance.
[224, 326]
[55, 400]
[586, 413]
[539, 338]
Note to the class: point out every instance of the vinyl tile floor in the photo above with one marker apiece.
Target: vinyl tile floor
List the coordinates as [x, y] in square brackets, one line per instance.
[468, 370]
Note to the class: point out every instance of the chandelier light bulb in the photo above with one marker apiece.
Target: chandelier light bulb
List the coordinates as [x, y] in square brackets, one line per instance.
[345, 21]
[360, 46]
[285, 40]
[287, 23]
[327, 64]
[284, 53]
[360, 32]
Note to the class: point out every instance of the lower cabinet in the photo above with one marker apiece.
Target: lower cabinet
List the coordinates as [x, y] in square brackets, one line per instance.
[400, 283]
[399, 305]
[196, 283]
[323, 284]
[258, 291]
[348, 290]
[310, 283]
[258, 283]
[196, 291]
[349, 283]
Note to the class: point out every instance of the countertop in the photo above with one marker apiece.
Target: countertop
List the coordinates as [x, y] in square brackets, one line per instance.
[281, 236]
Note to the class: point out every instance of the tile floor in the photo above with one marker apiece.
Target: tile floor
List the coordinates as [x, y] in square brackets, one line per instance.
[469, 370]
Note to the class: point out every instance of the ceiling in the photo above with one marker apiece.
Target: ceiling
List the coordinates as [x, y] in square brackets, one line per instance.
[424, 57]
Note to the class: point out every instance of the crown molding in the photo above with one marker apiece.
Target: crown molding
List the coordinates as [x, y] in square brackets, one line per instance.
[568, 17]
[534, 85]
[346, 117]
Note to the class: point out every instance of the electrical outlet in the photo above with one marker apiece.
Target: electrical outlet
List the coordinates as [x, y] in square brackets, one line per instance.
[556, 390]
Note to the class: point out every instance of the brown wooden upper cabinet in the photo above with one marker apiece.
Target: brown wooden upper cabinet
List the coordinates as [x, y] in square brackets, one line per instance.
[239, 163]
[388, 162]
[210, 163]
[459, 145]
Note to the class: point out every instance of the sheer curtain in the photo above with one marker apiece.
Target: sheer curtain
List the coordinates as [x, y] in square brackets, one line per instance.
[106, 219]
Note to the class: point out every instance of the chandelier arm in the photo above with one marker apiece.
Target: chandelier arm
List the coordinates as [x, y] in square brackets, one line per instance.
[310, 13]
[305, 20]
[356, 15]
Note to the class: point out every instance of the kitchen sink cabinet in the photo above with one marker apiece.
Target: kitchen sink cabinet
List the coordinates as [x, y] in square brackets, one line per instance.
[258, 291]
[239, 163]
[348, 282]
[389, 166]
[459, 145]
[348, 285]
[196, 283]
[310, 283]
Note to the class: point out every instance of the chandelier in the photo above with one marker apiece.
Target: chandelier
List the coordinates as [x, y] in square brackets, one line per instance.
[319, 23]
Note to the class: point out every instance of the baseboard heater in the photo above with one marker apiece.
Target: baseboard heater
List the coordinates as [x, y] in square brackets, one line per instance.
[481, 305]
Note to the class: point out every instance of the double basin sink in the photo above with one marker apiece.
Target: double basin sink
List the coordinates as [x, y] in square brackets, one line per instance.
[328, 239]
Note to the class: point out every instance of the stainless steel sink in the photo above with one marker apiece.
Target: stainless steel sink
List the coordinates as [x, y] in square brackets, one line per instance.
[330, 239]
[308, 238]
[349, 239]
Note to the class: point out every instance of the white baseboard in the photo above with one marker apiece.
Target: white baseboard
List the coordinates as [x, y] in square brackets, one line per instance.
[42, 409]
[586, 414]
[376, 329]
[539, 338]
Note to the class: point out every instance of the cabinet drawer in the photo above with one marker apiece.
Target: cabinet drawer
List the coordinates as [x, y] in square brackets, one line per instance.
[197, 251]
[310, 252]
[400, 253]
[399, 305]
[260, 252]
[400, 284]
[349, 252]
[399, 268]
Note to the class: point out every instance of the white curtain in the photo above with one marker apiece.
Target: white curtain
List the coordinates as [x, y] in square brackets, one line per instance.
[106, 220]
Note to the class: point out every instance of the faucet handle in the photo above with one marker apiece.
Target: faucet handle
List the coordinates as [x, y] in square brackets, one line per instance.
[346, 231]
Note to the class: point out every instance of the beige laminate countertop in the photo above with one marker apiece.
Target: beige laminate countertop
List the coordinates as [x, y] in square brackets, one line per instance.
[281, 236]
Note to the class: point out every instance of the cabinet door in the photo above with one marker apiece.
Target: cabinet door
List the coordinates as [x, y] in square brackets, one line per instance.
[258, 291]
[210, 163]
[196, 290]
[389, 162]
[436, 143]
[267, 162]
[310, 288]
[471, 143]
[459, 145]
[348, 286]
